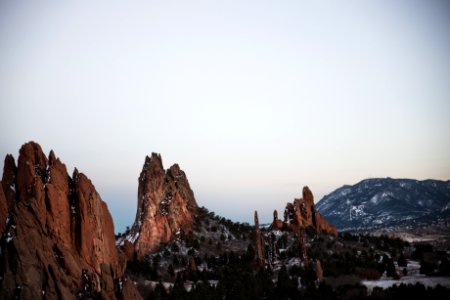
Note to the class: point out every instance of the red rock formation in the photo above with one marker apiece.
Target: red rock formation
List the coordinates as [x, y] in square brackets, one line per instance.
[302, 213]
[259, 240]
[59, 240]
[277, 224]
[166, 205]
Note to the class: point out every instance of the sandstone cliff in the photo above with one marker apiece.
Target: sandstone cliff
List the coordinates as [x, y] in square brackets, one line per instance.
[302, 213]
[166, 207]
[58, 241]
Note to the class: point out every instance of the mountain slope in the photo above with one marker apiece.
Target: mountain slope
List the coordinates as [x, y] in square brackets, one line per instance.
[384, 202]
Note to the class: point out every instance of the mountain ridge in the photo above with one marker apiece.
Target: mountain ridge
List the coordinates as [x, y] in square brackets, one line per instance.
[383, 202]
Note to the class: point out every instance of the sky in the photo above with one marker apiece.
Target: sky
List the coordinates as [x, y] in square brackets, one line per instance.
[254, 99]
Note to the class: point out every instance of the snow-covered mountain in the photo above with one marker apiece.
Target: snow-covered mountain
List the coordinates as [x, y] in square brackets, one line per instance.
[384, 202]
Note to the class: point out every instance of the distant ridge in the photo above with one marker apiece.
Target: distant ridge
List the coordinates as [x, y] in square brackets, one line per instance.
[386, 202]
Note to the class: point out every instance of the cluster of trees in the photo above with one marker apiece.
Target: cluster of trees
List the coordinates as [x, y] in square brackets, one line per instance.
[242, 283]
[239, 230]
[234, 274]
[432, 262]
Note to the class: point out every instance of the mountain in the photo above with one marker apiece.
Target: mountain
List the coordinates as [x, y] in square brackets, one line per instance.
[57, 235]
[384, 202]
[166, 208]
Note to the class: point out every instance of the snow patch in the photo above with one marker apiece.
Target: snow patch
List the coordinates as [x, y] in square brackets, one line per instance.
[357, 211]
[387, 283]
[132, 238]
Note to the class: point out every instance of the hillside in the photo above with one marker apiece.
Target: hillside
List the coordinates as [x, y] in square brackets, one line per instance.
[386, 202]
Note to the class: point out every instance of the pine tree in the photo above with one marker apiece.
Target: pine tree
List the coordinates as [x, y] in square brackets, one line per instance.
[402, 261]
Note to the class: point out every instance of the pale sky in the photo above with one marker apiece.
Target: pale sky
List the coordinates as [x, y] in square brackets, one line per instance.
[254, 99]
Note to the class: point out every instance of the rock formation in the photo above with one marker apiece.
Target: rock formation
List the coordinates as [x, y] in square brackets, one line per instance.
[58, 242]
[302, 213]
[260, 245]
[166, 206]
[277, 224]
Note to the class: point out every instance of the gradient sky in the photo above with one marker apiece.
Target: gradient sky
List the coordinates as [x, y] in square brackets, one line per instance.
[254, 99]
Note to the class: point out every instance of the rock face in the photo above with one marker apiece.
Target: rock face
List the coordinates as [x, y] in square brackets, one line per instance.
[302, 213]
[58, 242]
[166, 207]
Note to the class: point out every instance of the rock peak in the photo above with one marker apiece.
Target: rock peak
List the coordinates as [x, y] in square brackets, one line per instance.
[166, 204]
[152, 167]
[307, 194]
[302, 213]
[60, 231]
[51, 158]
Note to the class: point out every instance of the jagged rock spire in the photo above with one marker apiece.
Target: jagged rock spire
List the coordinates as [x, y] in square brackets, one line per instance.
[302, 213]
[277, 223]
[260, 249]
[166, 205]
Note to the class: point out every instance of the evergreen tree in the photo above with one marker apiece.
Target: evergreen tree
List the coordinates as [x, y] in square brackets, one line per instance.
[402, 261]
[285, 287]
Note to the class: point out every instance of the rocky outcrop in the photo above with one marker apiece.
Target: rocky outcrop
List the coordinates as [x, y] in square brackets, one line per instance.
[59, 237]
[166, 206]
[277, 224]
[260, 243]
[302, 213]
